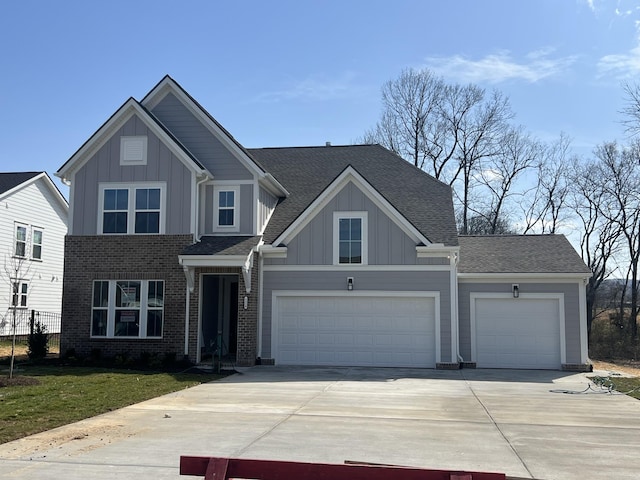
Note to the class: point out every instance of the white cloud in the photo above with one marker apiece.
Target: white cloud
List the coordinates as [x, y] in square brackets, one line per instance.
[500, 67]
[315, 88]
[622, 65]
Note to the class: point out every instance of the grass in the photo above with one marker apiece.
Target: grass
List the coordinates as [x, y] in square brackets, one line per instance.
[68, 394]
[627, 385]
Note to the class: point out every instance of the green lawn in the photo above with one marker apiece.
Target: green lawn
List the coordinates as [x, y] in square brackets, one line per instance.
[627, 385]
[68, 394]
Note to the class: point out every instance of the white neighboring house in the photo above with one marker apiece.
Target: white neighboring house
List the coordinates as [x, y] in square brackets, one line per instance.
[33, 225]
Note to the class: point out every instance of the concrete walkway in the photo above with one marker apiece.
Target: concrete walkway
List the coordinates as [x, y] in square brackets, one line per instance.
[485, 420]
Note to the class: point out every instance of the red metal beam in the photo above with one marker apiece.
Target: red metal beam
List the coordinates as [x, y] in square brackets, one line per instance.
[217, 468]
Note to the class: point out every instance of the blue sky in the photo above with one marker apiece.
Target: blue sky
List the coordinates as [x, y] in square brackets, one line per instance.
[288, 73]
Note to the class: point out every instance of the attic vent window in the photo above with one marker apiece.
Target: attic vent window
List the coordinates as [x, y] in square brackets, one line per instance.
[133, 150]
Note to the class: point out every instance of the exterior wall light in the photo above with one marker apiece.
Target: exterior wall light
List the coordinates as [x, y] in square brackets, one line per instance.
[349, 283]
[516, 290]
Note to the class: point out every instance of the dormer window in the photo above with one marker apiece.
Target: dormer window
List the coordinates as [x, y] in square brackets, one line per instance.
[226, 200]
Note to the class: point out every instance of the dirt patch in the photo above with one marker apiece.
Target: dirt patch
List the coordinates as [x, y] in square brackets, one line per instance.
[18, 381]
[629, 367]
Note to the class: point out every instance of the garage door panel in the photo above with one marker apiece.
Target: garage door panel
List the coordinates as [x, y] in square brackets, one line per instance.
[351, 331]
[517, 333]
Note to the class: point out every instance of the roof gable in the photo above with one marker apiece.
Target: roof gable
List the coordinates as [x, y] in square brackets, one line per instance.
[11, 182]
[168, 85]
[424, 202]
[130, 108]
[530, 254]
[349, 175]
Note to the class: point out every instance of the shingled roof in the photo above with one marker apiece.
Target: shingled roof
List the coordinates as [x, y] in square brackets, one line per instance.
[307, 171]
[519, 254]
[13, 179]
[223, 245]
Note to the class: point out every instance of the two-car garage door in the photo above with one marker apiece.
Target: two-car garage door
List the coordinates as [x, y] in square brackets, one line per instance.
[518, 332]
[355, 330]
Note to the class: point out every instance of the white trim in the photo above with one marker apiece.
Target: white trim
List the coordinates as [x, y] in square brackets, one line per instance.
[35, 229]
[273, 252]
[260, 297]
[582, 311]
[349, 175]
[131, 210]
[217, 189]
[213, 260]
[455, 318]
[14, 249]
[473, 296]
[532, 277]
[187, 309]
[276, 294]
[436, 250]
[364, 241]
[355, 267]
[133, 150]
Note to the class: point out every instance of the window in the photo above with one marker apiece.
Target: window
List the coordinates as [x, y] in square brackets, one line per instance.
[132, 209]
[350, 238]
[147, 210]
[133, 150]
[127, 308]
[19, 297]
[226, 201]
[36, 247]
[21, 241]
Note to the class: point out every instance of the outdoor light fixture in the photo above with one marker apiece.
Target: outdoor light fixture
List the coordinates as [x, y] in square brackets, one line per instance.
[349, 283]
[516, 290]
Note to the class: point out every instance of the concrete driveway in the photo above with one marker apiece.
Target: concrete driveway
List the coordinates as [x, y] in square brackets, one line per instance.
[486, 420]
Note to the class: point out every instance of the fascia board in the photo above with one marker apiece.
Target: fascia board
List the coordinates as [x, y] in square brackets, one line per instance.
[212, 260]
[349, 174]
[168, 85]
[130, 108]
[273, 252]
[499, 277]
[435, 250]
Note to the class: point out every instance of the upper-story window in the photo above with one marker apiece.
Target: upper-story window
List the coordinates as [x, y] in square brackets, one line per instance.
[36, 241]
[226, 200]
[133, 150]
[130, 209]
[21, 241]
[350, 238]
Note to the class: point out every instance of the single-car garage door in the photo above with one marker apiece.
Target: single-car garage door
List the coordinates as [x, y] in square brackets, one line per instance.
[365, 330]
[518, 333]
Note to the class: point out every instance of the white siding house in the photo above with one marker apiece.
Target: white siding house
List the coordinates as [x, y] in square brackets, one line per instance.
[33, 225]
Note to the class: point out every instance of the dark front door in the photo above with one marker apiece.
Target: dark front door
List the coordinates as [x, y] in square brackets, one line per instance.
[219, 310]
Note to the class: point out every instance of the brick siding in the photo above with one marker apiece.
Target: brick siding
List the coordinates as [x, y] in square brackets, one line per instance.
[132, 257]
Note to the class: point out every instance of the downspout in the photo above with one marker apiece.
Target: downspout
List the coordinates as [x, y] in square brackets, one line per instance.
[260, 279]
[454, 306]
[196, 229]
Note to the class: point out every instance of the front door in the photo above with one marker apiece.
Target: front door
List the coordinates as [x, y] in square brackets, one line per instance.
[219, 312]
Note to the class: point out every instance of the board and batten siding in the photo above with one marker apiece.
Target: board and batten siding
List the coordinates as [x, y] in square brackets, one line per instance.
[371, 280]
[387, 244]
[104, 167]
[266, 205]
[35, 206]
[571, 311]
[246, 209]
[199, 140]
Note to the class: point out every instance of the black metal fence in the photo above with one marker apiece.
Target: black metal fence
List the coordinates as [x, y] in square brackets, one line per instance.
[23, 322]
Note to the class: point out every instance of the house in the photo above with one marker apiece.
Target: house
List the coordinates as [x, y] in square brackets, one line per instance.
[182, 241]
[33, 224]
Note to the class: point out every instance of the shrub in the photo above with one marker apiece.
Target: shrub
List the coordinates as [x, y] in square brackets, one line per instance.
[38, 342]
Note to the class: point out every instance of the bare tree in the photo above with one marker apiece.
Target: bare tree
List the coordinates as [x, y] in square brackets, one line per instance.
[18, 276]
[517, 153]
[599, 234]
[631, 110]
[544, 206]
[410, 105]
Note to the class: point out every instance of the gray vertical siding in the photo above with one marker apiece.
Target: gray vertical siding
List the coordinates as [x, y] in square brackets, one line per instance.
[200, 141]
[396, 281]
[571, 311]
[266, 204]
[247, 204]
[387, 243]
[104, 166]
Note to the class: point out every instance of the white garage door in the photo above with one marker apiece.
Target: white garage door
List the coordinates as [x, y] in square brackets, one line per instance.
[355, 331]
[517, 333]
